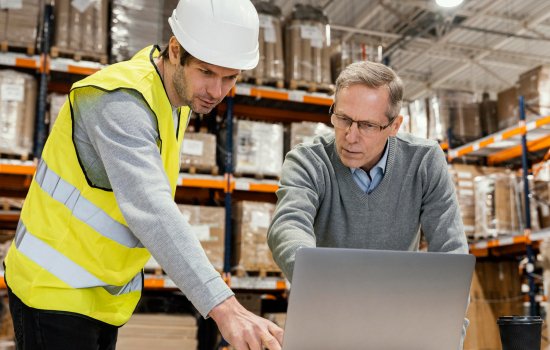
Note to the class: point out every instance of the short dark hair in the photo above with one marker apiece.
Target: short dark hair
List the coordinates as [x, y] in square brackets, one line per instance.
[184, 57]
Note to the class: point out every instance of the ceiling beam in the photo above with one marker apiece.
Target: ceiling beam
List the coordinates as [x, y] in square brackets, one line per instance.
[541, 16]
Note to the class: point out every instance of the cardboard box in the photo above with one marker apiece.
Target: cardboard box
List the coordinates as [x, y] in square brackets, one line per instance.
[198, 151]
[508, 108]
[534, 86]
[208, 223]
[17, 112]
[251, 252]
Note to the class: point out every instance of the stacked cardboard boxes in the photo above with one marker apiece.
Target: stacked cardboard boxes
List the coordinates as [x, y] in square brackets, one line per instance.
[251, 252]
[199, 152]
[208, 223]
[270, 68]
[19, 22]
[81, 28]
[307, 47]
[534, 86]
[508, 108]
[463, 177]
[17, 112]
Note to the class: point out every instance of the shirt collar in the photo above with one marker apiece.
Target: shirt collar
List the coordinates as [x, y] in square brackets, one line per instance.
[381, 163]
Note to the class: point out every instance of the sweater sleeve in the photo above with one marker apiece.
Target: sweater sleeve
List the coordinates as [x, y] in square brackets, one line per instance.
[298, 199]
[123, 132]
[440, 214]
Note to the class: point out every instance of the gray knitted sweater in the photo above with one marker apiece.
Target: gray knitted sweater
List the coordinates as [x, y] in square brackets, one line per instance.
[319, 203]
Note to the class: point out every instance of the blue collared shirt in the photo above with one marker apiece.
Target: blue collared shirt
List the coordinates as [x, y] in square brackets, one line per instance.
[368, 181]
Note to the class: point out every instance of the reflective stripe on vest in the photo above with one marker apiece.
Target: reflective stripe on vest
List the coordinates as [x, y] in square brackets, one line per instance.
[83, 209]
[63, 268]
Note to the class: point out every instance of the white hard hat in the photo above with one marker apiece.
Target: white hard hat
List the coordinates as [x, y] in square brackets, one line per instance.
[220, 32]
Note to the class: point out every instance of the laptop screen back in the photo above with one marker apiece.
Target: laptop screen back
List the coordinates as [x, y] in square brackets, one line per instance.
[372, 299]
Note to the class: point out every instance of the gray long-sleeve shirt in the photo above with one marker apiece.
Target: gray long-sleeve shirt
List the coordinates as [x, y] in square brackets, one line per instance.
[116, 139]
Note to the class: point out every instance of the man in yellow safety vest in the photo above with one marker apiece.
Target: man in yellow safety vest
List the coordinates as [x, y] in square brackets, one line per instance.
[102, 199]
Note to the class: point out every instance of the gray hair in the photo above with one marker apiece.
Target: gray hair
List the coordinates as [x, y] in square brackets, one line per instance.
[373, 75]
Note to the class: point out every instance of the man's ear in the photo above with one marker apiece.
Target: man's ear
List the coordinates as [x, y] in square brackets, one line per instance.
[396, 125]
[174, 50]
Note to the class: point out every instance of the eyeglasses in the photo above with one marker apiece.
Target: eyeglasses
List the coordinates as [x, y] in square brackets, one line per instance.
[365, 128]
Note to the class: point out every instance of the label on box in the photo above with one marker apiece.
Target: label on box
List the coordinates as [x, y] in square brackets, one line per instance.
[260, 219]
[463, 192]
[465, 184]
[193, 147]
[82, 5]
[266, 22]
[545, 211]
[12, 92]
[202, 232]
[313, 33]
[11, 4]
[464, 175]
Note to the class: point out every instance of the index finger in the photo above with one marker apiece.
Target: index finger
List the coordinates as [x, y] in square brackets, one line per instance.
[270, 342]
[276, 331]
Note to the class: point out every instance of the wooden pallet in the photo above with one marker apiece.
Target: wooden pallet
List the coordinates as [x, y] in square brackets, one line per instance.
[7, 203]
[278, 83]
[22, 157]
[310, 86]
[257, 272]
[79, 55]
[6, 46]
[257, 176]
[215, 170]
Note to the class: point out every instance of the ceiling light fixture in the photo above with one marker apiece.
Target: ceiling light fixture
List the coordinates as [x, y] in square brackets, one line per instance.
[448, 3]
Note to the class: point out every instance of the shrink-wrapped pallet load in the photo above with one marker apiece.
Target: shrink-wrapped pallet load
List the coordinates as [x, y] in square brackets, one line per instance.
[418, 118]
[258, 148]
[308, 49]
[19, 24]
[81, 29]
[17, 112]
[250, 241]
[348, 52]
[500, 206]
[305, 132]
[198, 153]
[463, 176]
[270, 68]
[135, 24]
[455, 110]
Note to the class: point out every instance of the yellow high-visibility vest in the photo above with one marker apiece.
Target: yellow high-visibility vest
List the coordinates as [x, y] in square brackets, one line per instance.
[73, 250]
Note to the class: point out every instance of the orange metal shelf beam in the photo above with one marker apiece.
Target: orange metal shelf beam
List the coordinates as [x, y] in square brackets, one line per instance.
[514, 152]
[17, 169]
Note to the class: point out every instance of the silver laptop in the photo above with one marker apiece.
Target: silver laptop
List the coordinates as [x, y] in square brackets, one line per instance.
[373, 299]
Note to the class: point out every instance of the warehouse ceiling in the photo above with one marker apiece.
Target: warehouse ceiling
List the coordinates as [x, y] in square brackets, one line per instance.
[481, 46]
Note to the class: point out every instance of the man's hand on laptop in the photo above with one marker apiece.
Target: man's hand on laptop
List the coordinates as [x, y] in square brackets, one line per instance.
[244, 330]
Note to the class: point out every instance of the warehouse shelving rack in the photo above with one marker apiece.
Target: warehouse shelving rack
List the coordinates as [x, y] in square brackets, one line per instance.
[514, 142]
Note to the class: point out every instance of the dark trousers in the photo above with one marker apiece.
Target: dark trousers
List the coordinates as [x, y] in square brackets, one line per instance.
[47, 330]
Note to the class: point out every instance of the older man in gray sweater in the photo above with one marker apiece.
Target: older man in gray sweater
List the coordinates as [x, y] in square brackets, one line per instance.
[365, 186]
